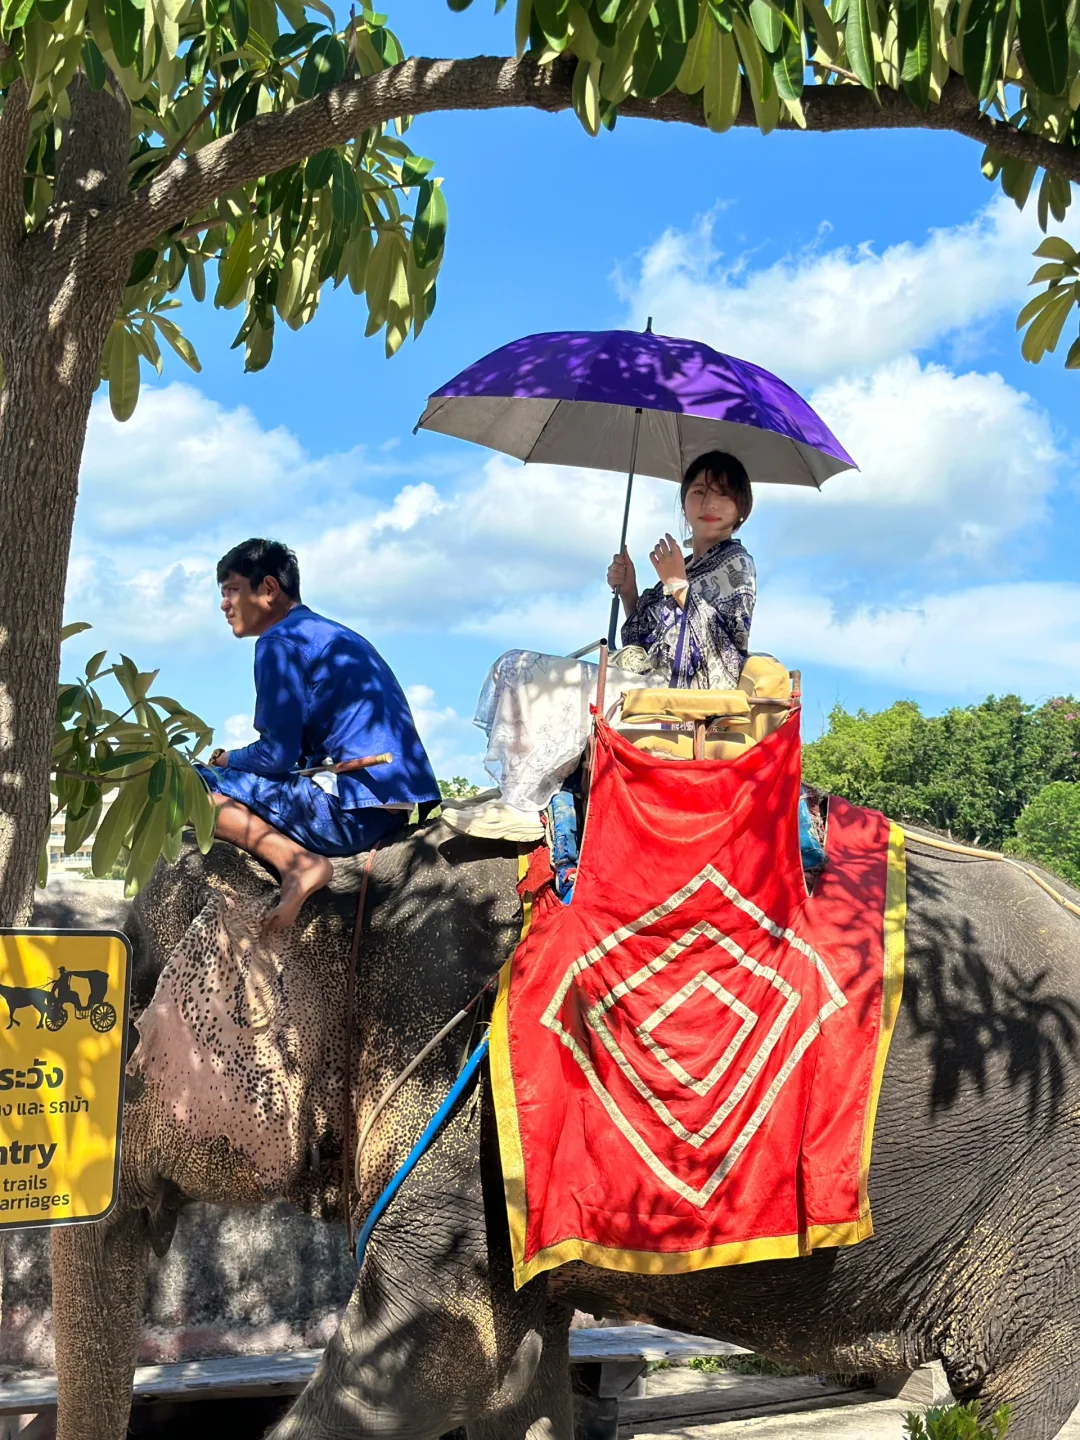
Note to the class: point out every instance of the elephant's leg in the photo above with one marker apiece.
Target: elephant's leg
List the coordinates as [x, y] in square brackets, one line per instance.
[1040, 1384]
[99, 1289]
[546, 1411]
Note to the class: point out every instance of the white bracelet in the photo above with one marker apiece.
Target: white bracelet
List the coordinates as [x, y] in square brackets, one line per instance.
[676, 589]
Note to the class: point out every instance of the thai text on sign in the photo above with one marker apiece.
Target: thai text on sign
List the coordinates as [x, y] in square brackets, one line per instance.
[63, 1017]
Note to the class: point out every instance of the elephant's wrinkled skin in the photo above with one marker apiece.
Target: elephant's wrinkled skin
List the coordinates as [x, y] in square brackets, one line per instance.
[975, 1179]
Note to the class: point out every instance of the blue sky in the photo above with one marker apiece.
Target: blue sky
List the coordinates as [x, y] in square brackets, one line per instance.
[879, 273]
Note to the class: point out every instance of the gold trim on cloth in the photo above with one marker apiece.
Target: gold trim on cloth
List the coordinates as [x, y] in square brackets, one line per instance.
[648, 1262]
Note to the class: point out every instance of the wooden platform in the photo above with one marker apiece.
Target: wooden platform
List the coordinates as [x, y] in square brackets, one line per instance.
[287, 1373]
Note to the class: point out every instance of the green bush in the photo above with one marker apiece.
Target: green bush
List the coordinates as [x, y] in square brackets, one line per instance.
[958, 1422]
[1048, 830]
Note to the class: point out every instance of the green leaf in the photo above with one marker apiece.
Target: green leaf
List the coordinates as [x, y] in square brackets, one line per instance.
[982, 44]
[459, 5]
[142, 266]
[323, 67]
[429, 227]
[723, 83]
[233, 98]
[196, 271]
[678, 17]
[76, 627]
[233, 269]
[657, 60]
[117, 760]
[414, 169]
[1054, 247]
[80, 823]
[860, 43]
[1072, 360]
[318, 169]
[125, 24]
[553, 18]
[93, 63]
[179, 342]
[345, 198]
[158, 776]
[241, 22]
[380, 275]
[146, 845]
[123, 373]
[789, 66]
[586, 93]
[296, 40]
[768, 24]
[93, 665]
[1043, 30]
[13, 16]
[691, 77]
[1044, 332]
[916, 34]
[175, 799]
[200, 808]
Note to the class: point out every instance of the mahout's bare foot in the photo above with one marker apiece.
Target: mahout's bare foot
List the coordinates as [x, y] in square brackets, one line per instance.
[307, 874]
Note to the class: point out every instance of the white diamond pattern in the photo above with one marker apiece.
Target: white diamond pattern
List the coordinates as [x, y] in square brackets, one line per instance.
[595, 1018]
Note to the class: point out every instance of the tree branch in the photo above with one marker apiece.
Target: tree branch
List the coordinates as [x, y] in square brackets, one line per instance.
[14, 134]
[419, 86]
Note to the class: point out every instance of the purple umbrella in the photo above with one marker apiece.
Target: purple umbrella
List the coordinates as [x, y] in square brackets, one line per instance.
[634, 401]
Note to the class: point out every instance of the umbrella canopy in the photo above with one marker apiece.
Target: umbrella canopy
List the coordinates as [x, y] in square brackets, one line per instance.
[635, 401]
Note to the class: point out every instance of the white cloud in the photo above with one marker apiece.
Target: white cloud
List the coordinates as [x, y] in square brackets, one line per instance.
[1023, 637]
[179, 463]
[953, 467]
[822, 312]
[454, 745]
[237, 730]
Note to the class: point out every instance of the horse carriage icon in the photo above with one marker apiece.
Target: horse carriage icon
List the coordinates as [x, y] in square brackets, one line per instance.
[89, 1004]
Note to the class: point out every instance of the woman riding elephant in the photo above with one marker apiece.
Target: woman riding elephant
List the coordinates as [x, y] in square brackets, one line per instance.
[691, 629]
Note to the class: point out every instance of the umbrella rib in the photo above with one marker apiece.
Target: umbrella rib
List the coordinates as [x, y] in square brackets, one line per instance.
[543, 431]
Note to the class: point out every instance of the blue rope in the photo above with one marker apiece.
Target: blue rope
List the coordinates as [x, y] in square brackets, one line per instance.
[434, 1125]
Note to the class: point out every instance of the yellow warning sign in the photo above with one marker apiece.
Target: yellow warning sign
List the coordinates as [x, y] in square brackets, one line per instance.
[63, 1017]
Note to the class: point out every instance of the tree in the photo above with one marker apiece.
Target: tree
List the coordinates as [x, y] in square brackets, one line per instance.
[142, 139]
[1048, 829]
[969, 772]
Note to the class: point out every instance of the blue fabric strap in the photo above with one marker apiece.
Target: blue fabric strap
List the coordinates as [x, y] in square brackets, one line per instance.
[434, 1125]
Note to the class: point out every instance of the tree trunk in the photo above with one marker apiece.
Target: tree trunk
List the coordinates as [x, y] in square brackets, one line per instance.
[58, 299]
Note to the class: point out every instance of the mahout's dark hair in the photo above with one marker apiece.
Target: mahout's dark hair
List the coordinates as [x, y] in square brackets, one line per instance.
[723, 466]
[257, 559]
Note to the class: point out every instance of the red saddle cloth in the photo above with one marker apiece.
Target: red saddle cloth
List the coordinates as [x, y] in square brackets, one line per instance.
[686, 1059]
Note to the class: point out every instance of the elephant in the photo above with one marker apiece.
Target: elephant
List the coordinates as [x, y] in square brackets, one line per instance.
[974, 1179]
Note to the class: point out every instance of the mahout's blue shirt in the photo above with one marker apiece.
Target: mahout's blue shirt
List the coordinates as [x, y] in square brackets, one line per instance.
[322, 691]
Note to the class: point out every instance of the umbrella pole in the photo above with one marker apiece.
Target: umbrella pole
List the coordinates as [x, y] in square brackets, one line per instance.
[613, 621]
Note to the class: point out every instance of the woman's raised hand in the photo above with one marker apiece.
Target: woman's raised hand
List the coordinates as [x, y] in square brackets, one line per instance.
[621, 575]
[667, 560]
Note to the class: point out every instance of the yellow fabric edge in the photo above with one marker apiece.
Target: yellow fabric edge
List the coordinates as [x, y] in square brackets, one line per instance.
[683, 1262]
[511, 1154]
[892, 987]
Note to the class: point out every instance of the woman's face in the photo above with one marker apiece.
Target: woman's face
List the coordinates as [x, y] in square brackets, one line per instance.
[710, 508]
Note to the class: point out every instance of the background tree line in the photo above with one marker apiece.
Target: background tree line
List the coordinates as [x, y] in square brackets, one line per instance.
[1002, 774]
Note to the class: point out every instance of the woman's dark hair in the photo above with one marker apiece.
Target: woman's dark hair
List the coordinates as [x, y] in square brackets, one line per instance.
[722, 466]
[256, 559]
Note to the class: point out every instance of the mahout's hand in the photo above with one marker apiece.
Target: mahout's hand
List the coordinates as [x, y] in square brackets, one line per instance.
[667, 560]
[220, 759]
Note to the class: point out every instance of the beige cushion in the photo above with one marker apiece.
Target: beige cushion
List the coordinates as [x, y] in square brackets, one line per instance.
[681, 746]
[653, 707]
